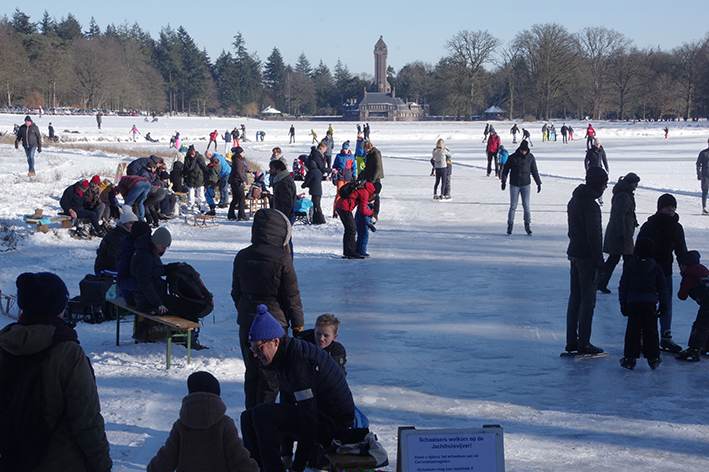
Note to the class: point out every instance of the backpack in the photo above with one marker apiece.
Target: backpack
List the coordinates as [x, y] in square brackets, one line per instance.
[350, 187]
[185, 283]
[24, 435]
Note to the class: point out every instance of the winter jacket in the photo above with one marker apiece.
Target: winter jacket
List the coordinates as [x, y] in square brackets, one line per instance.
[176, 177]
[358, 198]
[92, 198]
[238, 171]
[284, 194]
[330, 146]
[225, 167]
[193, 171]
[108, 250]
[203, 438]
[309, 374]
[668, 235]
[519, 167]
[596, 157]
[584, 220]
[147, 269]
[211, 175]
[703, 164]
[346, 166]
[642, 281]
[264, 273]
[336, 350]
[440, 155]
[126, 283]
[622, 222]
[373, 169]
[127, 182]
[30, 137]
[693, 286]
[590, 132]
[139, 164]
[79, 443]
[313, 179]
[493, 143]
[72, 198]
[213, 135]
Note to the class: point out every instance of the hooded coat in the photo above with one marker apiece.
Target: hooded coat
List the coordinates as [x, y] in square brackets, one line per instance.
[264, 273]
[642, 281]
[73, 198]
[584, 219]
[70, 399]
[147, 269]
[194, 170]
[622, 222]
[668, 235]
[284, 194]
[520, 167]
[203, 438]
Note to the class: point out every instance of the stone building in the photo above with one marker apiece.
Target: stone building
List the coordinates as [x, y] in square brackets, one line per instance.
[380, 102]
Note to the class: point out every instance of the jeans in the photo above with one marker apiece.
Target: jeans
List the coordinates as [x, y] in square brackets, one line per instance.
[209, 195]
[362, 223]
[441, 173]
[582, 302]
[137, 195]
[224, 190]
[30, 157]
[515, 193]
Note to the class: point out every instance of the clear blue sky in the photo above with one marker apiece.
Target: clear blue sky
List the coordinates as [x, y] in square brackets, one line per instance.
[413, 29]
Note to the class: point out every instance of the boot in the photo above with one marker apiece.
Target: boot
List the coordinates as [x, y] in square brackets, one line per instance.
[628, 363]
[509, 228]
[689, 354]
[667, 344]
[212, 211]
[528, 229]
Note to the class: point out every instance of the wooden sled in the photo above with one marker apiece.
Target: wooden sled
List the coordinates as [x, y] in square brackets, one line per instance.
[202, 221]
[8, 306]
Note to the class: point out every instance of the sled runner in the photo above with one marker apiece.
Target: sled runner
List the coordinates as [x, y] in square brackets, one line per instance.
[202, 221]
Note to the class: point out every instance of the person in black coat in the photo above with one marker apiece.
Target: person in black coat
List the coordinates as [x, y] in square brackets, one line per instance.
[284, 194]
[264, 274]
[136, 166]
[520, 166]
[237, 181]
[703, 175]
[72, 203]
[126, 283]
[316, 402]
[666, 232]
[313, 179]
[110, 247]
[586, 257]
[31, 141]
[596, 156]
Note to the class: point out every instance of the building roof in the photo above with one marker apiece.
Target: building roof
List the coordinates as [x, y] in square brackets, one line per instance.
[378, 97]
[494, 109]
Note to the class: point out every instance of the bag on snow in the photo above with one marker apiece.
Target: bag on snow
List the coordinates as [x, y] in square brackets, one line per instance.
[24, 435]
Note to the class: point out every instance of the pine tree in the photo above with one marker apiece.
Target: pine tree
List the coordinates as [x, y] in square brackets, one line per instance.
[274, 78]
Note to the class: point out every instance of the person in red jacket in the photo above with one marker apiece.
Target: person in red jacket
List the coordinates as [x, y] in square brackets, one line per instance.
[493, 146]
[359, 198]
[590, 134]
[213, 139]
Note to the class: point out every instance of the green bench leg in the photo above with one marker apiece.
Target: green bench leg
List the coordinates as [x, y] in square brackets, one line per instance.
[169, 349]
[189, 345]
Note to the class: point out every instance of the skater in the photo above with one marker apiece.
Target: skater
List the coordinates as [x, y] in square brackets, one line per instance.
[520, 166]
[227, 141]
[565, 134]
[527, 137]
[666, 130]
[493, 144]
[235, 137]
[213, 139]
[98, 119]
[703, 176]
[31, 139]
[590, 134]
[344, 170]
[586, 257]
[314, 136]
[291, 135]
[313, 180]
[330, 141]
[668, 235]
[642, 286]
[135, 131]
[694, 280]
[204, 437]
[571, 133]
[237, 181]
[618, 239]
[359, 198]
[440, 155]
[373, 172]
[596, 156]
[449, 173]
[513, 131]
[485, 132]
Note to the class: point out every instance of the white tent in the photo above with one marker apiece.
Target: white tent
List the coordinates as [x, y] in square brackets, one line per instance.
[269, 110]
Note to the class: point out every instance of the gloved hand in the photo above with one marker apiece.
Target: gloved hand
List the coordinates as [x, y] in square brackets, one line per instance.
[539, 188]
[297, 332]
[372, 228]
[504, 185]
[662, 310]
[624, 309]
[39, 150]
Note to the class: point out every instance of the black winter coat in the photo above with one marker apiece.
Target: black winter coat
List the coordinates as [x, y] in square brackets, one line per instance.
[622, 223]
[124, 280]
[309, 374]
[238, 171]
[108, 250]
[584, 219]
[264, 273]
[596, 157]
[284, 194]
[642, 281]
[135, 167]
[147, 269]
[668, 235]
[71, 199]
[194, 170]
[520, 167]
[30, 137]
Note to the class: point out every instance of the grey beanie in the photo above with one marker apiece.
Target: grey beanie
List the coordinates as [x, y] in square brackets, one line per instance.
[162, 237]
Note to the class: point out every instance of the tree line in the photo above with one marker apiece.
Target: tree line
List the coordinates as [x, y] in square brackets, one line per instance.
[545, 72]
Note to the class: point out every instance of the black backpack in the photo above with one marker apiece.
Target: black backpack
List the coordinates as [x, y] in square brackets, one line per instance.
[350, 187]
[184, 282]
[24, 435]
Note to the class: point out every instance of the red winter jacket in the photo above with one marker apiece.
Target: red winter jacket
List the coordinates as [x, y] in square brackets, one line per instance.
[214, 135]
[359, 197]
[493, 143]
[691, 280]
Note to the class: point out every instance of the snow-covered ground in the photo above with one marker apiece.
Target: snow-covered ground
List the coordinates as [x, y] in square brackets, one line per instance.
[450, 324]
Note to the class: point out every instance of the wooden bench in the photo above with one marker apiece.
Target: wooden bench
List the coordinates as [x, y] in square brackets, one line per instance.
[42, 222]
[343, 462]
[255, 204]
[174, 325]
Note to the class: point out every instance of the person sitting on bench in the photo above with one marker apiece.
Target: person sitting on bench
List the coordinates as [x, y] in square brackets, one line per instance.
[72, 203]
[110, 247]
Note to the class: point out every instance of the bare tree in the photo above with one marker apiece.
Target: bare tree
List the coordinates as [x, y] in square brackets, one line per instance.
[599, 46]
[468, 52]
[95, 70]
[15, 66]
[550, 53]
[689, 61]
[509, 64]
[623, 75]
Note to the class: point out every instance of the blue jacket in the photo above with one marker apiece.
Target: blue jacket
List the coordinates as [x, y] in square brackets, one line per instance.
[345, 164]
[137, 165]
[309, 378]
[226, 168]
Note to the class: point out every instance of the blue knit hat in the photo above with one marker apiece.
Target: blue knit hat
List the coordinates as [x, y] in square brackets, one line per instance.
[41, 293]
[689, 258]
[346, 145]
[265, 326]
